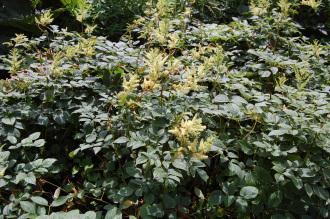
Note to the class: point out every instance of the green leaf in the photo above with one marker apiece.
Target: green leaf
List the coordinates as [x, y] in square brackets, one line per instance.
[39, 200]
[121, 140]
[113, 213]
[133, 171]
[241, 204]
[307, 173]
[278, 132]
[278, 216]
[34, 136]
[73, 153]
[4, 155]
[215, 198]
[168, 201]
[235, 170]
[180, 164]
[238, 100]
[41, 210]
[159, 174]
[125, 191]
[20, 176]
[297, 182]
[30, 178]
[136, 144]
[321, 192]
[221, 98]
[39, 143]
[199, 193]
[43, 120]
[91, 138]
[249, 192]
[48, 162]
[228, 200]
[274, 70]
[149, 198]
[8, 121]
[203, 174]
[308, 190]
[59, 117]
[12, 139]
[60, 200]
[275, 199]
[282, 216]
[151, 210]
[57, 193]
[90, 215]
[28, 207]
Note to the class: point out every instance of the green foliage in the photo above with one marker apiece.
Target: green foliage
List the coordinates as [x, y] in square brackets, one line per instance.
[112, 16]
[219, 10]
[190, 120]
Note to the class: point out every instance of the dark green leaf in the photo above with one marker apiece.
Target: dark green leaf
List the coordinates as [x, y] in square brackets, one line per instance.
[121, 140]
[60, 201]
[8, 121]
[39, 200]
[126, 191]
[28, 207]
[249, 192]
[113, 213]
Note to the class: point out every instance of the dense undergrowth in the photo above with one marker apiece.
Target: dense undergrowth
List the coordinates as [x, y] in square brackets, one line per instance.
[180, 118]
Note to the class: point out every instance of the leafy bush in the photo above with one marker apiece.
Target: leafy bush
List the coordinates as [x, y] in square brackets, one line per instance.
[191, 120]
[112, 17]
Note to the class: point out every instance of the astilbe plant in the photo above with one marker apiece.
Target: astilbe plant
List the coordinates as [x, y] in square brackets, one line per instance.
[198, 121]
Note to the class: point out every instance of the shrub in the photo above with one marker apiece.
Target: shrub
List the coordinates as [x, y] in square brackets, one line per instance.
[193, 120]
